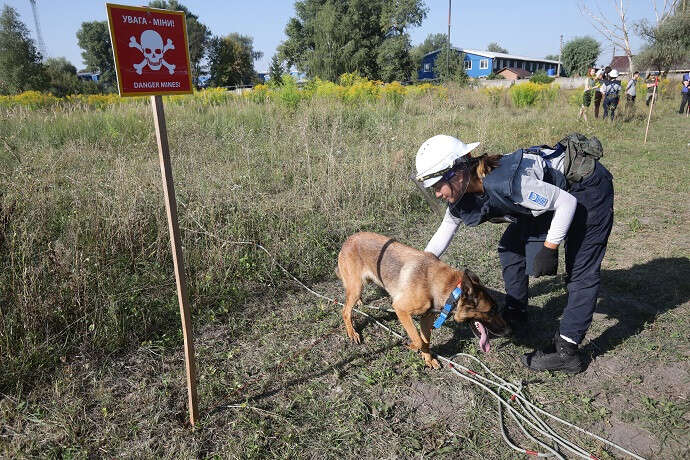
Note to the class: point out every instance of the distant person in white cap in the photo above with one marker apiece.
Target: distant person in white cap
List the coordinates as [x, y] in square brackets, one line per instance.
[611, 93]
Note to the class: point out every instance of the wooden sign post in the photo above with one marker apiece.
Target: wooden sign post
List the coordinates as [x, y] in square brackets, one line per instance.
[152, 58]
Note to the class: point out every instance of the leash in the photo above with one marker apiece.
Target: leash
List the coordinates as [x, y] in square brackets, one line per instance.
[523, 411]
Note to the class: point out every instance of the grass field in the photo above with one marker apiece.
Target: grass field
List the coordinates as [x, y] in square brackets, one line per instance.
[90, 341]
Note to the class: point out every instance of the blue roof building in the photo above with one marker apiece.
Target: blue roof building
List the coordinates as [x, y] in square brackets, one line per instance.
[480, 64]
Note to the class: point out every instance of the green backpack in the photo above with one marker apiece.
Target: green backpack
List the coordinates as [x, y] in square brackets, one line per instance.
[581, 155]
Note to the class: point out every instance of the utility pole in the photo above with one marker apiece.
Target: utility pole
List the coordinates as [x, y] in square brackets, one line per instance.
[448, 50]
[560, 53]
[39, 36]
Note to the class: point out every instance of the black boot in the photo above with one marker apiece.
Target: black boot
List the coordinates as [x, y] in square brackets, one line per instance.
[560, 356]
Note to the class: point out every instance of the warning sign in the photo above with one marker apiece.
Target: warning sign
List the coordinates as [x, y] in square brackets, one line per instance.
[150, 50]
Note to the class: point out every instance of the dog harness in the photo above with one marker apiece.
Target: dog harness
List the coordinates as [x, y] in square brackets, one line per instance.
[450, 303]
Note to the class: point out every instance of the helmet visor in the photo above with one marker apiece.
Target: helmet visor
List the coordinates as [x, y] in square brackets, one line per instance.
[457, 178]
[428, 195]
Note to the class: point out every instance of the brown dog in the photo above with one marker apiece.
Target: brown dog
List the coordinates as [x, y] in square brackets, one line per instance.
[419, 284]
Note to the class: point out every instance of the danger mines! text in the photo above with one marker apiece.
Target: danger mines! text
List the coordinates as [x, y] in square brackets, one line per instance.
[156, 84]
[143, 21]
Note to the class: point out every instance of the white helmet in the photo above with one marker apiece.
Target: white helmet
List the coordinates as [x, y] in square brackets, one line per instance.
[437, 155]
[613, 73]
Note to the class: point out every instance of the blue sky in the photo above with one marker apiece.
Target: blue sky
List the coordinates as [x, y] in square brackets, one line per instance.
[528, 28]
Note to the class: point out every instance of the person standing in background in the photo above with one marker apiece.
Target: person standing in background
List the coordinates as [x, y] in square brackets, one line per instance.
[652, 82]
[630, 94]
[610, 91]
[587, 94]
[598, 80]
[684, 94]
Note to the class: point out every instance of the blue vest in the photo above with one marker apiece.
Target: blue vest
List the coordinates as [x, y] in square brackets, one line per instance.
[496, 203]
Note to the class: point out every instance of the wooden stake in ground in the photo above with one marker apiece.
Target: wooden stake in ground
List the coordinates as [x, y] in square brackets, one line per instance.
[178, 261]
[651, 106]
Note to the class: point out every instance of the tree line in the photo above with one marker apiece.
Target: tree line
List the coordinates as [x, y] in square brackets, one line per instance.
[325, 39]
[215, 60]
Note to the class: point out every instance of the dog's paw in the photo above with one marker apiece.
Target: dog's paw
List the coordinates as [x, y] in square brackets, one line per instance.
[354, 336]
[432, 363]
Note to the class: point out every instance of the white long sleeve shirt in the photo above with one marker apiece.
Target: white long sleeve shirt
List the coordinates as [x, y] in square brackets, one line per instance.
[529, 191]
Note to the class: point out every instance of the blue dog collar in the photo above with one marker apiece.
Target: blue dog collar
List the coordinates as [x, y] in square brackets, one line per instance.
[450, 303]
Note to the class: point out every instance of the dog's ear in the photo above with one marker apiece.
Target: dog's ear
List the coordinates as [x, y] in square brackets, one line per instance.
[472, 276]
[469, 287]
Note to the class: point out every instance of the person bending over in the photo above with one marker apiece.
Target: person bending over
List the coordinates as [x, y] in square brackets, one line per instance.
[548, 196]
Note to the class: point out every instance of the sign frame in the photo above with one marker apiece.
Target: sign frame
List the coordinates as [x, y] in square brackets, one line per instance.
[119, 70]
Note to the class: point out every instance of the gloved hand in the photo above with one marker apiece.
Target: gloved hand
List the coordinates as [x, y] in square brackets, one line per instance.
[545, 262]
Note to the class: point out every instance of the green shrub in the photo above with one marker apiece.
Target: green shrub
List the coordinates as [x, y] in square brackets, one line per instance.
[541, 77]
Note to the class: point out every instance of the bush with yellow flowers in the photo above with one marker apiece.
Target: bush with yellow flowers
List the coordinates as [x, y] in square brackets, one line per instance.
[528, 94]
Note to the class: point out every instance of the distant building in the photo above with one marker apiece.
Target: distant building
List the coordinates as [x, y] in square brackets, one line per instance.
[479, 64]
[511, 73]
[621, 64]
[89, 76]
[300, 77]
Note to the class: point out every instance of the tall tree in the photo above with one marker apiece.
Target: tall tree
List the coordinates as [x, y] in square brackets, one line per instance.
[579, 54]
[393, 59]
[327, 38]
[619, 30]
[668, 43]
[496, 48]
[455, 70]
[62, 77]
[616, 31]
[275, 71]
[94, 38]
[20, 63]
[552, 57]
[398, 15]
[431, 43]
[231, 60]
[198, 34]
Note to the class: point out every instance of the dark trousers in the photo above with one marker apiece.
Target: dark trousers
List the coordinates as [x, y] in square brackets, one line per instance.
[585, 247]
[610, 104]
[685, 100]
[597, 102]
[629, 106]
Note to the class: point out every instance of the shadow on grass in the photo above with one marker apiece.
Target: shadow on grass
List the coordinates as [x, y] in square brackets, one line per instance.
[634, 297]
[270, 387]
